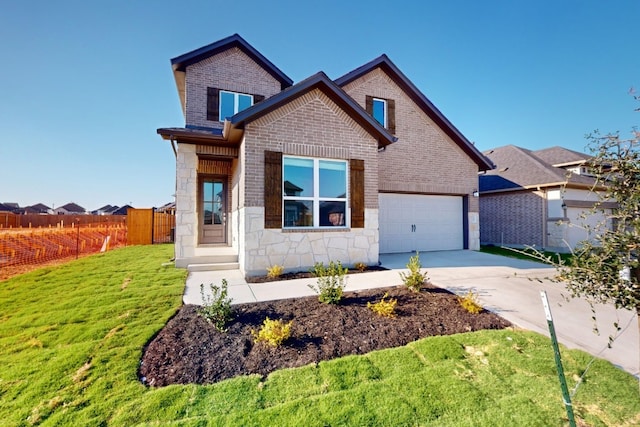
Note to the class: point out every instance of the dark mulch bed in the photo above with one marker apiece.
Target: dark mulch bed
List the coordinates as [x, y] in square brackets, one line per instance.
[190, 350]
[306, 275]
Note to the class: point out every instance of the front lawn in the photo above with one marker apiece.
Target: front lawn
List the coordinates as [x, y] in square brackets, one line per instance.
[71, 338]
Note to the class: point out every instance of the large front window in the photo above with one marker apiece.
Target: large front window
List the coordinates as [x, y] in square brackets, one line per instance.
[314, 192]
[232, 103]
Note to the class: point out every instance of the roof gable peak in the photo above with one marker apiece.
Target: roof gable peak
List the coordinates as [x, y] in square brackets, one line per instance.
[180, 63]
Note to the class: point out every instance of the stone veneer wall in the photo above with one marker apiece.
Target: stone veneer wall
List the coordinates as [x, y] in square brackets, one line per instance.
[424, 160]
[186, 234]
[313, 126]
[298, 251]
[231, 70]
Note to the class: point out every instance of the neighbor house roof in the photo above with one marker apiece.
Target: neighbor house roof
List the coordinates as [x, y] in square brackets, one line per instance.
[385, 64]
[519, 168]
[72, 207]
[328, 87]
[559, 156]
[180, 63]
[39, 208]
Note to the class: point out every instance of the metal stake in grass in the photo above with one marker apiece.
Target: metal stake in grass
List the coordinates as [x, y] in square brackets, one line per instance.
[563, 382]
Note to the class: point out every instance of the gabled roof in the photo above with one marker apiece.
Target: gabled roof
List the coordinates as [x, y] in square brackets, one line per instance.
[179, 64]
[328, 87]
[383, 62]
[38, 208]
[519, 168]
[72, 207]
[559, 156]
[8, 207]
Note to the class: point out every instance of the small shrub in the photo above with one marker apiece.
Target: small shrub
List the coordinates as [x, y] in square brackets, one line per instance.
[275, 271]
[273, 332]
[470, 303]
[331, 281]
[361, 267]
[384, 308]
[217, 308]
[415, 278]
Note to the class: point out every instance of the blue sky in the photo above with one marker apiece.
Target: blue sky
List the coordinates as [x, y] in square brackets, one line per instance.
[84, 85]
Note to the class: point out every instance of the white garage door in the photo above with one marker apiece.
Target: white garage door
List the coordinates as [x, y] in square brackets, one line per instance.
[411, 223]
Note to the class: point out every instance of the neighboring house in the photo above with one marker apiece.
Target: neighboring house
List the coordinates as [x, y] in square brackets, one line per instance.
[536, 198]
[120, 210]
[168, 208]
[271, 172]
[70, 209]
[38, 208]
[10, 207]
[105, 210]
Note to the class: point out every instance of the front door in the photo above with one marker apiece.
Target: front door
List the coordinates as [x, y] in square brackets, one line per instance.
[213, 218]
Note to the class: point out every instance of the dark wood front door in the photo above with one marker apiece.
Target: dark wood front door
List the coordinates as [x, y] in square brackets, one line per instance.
[213, 217]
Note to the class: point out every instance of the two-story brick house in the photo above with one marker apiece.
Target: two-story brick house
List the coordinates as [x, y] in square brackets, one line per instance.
[270, 172]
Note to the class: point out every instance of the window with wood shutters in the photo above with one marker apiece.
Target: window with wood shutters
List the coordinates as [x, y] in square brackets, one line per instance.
[303, 192]
[223, 103]
[383, 110]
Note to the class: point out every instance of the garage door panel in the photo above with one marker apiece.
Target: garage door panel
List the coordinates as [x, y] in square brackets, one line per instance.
[418, 222]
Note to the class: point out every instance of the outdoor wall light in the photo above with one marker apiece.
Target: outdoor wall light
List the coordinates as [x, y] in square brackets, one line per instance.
[476, 193]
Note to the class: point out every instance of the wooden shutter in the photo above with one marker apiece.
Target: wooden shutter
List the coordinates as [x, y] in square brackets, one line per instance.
[391, 116]
[356, 186]
[257, 98]
[272, 189]
[213, 104]
[369, 105]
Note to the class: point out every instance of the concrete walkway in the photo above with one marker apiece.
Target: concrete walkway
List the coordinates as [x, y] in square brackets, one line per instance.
[506, 286]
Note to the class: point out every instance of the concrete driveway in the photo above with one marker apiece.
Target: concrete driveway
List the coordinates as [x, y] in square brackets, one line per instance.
[511, 288]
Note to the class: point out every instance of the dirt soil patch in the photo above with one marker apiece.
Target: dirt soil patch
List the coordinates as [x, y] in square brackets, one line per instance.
[190, 350]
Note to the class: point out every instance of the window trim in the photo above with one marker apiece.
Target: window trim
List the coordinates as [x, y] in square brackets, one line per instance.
[316, 199]
[236, 102]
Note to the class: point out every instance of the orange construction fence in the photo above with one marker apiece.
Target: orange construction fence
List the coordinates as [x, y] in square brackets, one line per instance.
[23, 247]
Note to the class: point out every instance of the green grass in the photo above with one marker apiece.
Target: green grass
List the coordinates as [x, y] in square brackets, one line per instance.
[71, 338]
[526, 254]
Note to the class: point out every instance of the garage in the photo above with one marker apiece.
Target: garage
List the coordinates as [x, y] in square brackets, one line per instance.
[410, 223]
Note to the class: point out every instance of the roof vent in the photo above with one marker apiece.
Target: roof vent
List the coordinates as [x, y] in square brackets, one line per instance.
[504, 169]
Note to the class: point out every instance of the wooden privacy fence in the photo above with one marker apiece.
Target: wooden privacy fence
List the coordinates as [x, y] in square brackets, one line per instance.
[11, 220]
[146, 226]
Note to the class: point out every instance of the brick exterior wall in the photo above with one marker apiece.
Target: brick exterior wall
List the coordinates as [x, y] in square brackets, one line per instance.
[424, 159]
[514, 219]
[231, 70]
[312, 126]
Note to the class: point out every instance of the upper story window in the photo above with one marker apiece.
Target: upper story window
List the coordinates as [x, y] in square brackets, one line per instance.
[314, 192]
[232, 103]
[225, 103]
[380, 111]
[383, 111]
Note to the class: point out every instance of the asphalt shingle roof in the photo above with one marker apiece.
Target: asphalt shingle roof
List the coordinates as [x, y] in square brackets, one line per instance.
[519, 168]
